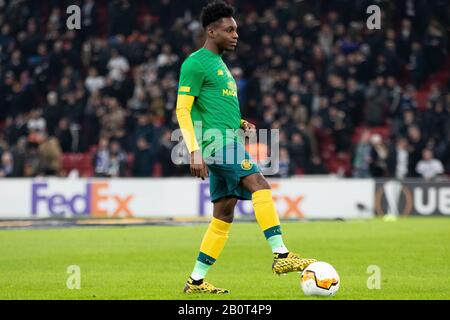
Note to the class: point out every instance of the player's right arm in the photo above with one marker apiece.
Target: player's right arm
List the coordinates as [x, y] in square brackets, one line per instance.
[185, 103]
[191, 80]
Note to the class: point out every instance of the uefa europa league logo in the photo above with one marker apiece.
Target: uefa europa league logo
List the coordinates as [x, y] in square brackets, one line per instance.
[392, 191]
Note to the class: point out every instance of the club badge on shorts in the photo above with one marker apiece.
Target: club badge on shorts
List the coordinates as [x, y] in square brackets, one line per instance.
[246, 164]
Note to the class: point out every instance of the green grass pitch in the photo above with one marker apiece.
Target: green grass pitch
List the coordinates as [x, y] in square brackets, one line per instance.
[153, 262]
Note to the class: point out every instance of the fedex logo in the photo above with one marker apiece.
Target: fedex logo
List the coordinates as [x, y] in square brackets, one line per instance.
[90, 202]
[288, 206]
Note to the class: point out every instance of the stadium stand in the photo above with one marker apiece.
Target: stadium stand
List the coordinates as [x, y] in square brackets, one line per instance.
[311, 69]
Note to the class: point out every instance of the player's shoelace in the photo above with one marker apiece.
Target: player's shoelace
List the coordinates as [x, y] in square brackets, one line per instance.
[292, 263]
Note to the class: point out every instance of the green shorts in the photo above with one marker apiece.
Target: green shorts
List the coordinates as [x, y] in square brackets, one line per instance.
[226, 171]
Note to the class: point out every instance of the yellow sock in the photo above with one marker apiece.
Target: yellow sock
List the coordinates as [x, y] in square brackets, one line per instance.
[265, 211]
[215, 238]
[212, 245]
[267, 218]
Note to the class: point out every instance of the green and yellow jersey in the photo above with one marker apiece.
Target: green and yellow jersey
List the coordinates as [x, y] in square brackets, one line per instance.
[207, 106]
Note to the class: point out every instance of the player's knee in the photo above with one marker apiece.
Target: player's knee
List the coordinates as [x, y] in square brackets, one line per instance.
[262, 183]
[266, 186]
[226, 216]
[255, 183]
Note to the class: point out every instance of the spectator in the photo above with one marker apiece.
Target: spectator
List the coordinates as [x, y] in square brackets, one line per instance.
[139, 102]
[434, 121]
[362, 157]
[32, 161]
[53, 112]
[317, 167]
[122, 17]
[429, 167]
[404, 40]
[118, 66]
[74, 108]
[94, 82]
[50, 156]
[113, 120]
[326, 39]
[398, 159]
[101, 158]
[300, 151]
[17, 64]
[434, 45]
[355, 98]
[379, 154]
[165, 151]
[166, 58]
[416, 145]
[407, 121]
[15, 128]
[144, 159]
[7, 166]
[64, 135]
[19, 153]
[144, 128]
[95, 110]
[36, 127]
[286, 168]
[89, 11]
[417, 64]
[18, 99]
[36, 123]
[338, 121]
[377, 97]
[117, 160]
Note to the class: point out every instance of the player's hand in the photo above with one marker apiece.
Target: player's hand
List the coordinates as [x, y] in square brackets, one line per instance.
[198, 166]
[247, 126]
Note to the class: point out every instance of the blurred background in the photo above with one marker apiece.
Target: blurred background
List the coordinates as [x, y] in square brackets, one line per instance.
[349, 101]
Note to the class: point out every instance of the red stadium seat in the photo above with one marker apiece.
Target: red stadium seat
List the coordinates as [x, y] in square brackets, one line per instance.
[157, 170]
[421, 99]
[79, 161]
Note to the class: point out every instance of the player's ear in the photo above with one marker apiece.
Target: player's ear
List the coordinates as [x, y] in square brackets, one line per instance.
[211, 30]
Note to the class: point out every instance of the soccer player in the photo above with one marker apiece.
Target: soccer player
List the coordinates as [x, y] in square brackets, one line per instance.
[208, 114]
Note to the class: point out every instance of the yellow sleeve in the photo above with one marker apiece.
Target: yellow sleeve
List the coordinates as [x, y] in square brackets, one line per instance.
[183, 111]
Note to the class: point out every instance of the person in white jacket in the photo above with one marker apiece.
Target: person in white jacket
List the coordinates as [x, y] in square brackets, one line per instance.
[429, 167]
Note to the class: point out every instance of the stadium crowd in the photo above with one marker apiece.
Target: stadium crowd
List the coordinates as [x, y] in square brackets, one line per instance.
[309, 68]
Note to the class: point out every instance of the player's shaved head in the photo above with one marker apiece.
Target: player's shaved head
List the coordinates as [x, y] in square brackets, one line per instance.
[215, 11]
